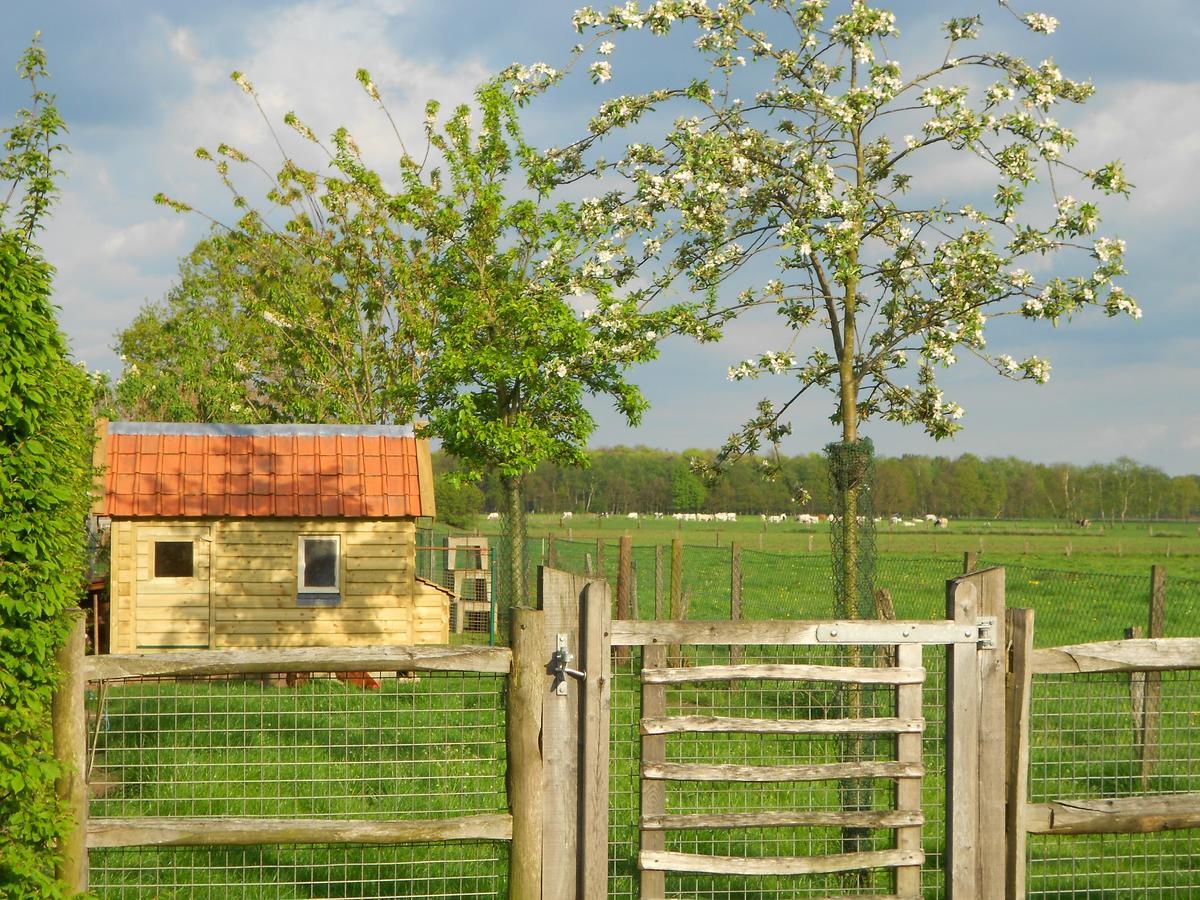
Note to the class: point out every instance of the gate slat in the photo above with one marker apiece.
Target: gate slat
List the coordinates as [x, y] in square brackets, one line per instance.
[908, 790]
[731, 724]
[667, 861]
[886, 818]
[840, 674]
[811, 772]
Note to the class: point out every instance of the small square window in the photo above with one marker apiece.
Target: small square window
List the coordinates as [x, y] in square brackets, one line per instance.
[318, 565]
[173, 559]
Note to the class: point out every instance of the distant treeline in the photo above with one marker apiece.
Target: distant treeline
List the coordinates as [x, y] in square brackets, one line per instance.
[645, 480]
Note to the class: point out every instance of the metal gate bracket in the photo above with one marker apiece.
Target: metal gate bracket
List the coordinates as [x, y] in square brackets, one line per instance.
[559, 666]
[885, 632]
[987, 632]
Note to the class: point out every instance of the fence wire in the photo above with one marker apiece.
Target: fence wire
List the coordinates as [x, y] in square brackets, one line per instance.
[778, 700]
[1089, 740]
[363, 746]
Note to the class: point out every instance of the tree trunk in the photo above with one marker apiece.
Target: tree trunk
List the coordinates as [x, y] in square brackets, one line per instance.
[514, 539]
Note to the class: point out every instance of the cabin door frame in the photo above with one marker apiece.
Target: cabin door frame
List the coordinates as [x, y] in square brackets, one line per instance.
[172, 611]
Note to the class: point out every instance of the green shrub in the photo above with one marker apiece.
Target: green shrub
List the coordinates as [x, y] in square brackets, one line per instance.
[45, 478]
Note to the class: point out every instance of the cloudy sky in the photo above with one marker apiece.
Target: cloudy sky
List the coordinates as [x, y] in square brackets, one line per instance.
[143, 82]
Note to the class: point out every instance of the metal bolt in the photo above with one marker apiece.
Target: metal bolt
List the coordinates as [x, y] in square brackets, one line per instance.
[967, 633]
[833, 632]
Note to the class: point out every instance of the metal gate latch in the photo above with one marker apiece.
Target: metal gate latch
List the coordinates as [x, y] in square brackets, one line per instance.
[559, 667]
[987, 632]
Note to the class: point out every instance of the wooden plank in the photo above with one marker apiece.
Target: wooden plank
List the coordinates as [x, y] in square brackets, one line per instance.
[653, 793]
[732, 725]
[764, 631]
[357, 563]
[885, 818]
[962, 747]
[176, 831]
[1143, 814]
[993, 668]
[558, 597]
[1020, 682]
[1149, 655]
[315, 628]
[780, 865]
[523, 735]
[363, 603]
[317, 614]
[488, 660]
[908, 750]
[782, 672]
[596, 660]
[768, 774]
[68, 718]
[425, 478]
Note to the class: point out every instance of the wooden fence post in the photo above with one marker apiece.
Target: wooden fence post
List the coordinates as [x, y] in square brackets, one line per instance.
[654, 750]
[68, 717]
[624, 585]
[975, 735]
[676, 612]
[970, 562]
[1153, 691]
[1017, 706]
[658, 583]
[552, 553]
[599, 558]
[593, 805]
[523, 733]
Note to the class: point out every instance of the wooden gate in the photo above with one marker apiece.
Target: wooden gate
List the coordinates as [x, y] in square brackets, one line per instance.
[876, 655]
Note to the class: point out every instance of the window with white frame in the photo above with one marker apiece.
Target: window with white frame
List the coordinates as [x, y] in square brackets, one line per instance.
[318, 570]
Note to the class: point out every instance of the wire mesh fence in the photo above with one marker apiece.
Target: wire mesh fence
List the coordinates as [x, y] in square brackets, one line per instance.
[1088, 741]
[771, 700]
[315, 746]
[1072, 606]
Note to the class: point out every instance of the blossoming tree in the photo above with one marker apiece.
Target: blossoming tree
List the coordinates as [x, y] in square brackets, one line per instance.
[803, 159]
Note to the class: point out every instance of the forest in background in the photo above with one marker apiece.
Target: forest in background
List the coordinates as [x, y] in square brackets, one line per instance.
[646, 480]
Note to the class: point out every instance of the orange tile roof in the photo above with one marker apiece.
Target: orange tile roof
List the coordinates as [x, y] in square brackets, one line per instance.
[156, 469]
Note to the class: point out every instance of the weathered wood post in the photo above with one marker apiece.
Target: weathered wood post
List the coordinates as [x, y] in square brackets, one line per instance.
[599, 557]
[658, 582]
[1153, 693]
[654, 751]
[676, 613]
[68, 717]
[523, 726]
[975, 728]
[970, 562]
[595, 659]
[624, 586]
[1017, 704]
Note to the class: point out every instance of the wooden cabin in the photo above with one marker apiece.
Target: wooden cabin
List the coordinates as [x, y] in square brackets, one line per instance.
[229, 536]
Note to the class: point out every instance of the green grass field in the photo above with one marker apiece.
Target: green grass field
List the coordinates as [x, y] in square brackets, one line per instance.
[433, 746]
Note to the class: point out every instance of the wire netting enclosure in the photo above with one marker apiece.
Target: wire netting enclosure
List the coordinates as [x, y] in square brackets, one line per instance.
[1087, 743]
[363, 746]
[770, 700]
[1072, 606]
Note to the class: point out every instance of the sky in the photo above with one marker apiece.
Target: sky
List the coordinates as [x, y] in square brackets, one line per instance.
[142, 83]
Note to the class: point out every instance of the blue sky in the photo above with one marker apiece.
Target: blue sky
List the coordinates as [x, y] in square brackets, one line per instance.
[142, 83]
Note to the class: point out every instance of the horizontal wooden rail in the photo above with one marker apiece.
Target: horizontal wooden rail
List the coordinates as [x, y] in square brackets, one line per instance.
[637, 633]
[488, 660]
[886, 818]
[843, 674]
[1145, 655]
[811, 772]
[667, 861]
[1123, 815]
[229, 831]
[732, 725]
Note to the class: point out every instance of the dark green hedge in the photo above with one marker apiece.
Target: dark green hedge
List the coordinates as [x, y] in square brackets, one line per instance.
[46, 439]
